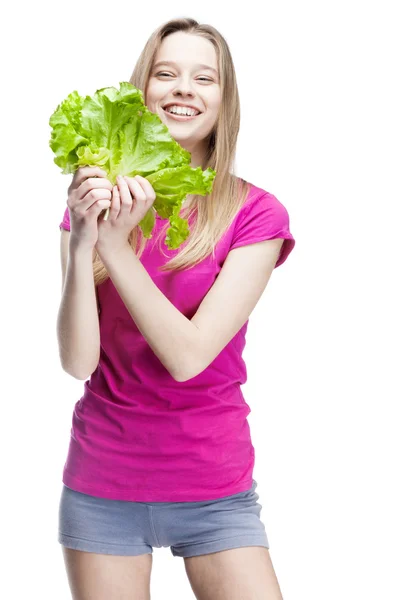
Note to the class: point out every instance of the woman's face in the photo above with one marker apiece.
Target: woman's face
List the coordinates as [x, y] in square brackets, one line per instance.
[190, 77]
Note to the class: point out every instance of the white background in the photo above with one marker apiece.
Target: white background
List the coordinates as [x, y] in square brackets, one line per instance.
[320, 130]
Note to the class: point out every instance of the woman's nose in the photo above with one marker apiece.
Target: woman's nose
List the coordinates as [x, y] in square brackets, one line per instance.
[183, 93]
[184, 88]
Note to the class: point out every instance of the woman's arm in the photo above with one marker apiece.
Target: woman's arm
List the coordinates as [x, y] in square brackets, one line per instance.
[168, 332]
[186, 347]
[78, 330]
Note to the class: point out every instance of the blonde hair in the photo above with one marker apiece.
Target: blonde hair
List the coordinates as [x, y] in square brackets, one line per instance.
[216, 211]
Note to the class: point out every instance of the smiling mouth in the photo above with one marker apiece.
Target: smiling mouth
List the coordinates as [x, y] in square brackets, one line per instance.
[181, 117]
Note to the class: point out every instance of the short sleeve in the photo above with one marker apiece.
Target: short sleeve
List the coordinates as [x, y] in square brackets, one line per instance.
[65, 224]
[264, 218]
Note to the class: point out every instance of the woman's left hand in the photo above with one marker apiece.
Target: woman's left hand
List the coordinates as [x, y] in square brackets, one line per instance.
[131, 199]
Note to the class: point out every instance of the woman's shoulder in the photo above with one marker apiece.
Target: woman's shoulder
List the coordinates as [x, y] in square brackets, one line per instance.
[263, 217]
[258, 195]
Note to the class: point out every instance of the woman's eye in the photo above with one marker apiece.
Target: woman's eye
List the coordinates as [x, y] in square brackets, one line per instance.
[169, 75]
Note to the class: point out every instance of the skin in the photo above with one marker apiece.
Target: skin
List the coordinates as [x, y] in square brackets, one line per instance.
[188, 83]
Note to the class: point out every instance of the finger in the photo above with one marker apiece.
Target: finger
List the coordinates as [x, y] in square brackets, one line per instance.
[125, 194]
[83, 173]
[94, 183]
[76, 203]
[147, 187]
[115, 203]
[136, 189]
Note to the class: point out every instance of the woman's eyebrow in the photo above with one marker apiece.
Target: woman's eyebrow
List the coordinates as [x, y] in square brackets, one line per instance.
[172, 63]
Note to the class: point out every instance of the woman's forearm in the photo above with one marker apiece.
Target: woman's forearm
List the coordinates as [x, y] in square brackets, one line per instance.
[172, 336]
[78, 330]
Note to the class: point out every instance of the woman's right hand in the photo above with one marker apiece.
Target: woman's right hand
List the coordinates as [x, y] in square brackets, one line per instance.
[89, 193]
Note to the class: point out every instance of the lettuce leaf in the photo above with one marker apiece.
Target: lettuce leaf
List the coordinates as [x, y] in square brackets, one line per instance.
[113, 129]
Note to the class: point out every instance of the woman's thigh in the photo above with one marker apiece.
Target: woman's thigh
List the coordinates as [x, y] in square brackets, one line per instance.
[107, 576]
[106, 550]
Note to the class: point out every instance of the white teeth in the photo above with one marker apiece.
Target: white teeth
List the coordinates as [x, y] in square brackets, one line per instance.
[182, 110]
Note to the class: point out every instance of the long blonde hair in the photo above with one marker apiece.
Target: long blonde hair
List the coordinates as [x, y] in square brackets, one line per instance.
[216, 211]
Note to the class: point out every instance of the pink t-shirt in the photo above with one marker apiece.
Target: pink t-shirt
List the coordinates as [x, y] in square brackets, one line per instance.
[139, 435]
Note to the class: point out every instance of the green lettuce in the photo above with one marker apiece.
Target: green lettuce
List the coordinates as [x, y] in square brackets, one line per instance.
[114, 129]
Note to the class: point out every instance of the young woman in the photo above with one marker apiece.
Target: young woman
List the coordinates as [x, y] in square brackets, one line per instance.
[160, 451]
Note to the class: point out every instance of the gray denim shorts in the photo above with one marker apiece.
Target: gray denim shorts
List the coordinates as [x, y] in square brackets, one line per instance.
[127, 528]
